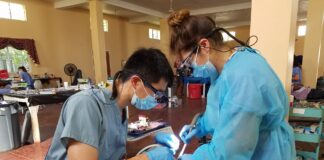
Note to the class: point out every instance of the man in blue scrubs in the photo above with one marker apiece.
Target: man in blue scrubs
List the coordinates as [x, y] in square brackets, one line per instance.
[93, 122]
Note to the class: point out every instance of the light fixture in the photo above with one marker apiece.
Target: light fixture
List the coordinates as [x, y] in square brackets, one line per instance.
[171, 7]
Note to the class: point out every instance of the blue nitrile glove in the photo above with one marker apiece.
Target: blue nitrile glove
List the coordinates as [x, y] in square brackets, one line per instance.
[168, 140]
[160, 153]
[186, 157]
[185, 135]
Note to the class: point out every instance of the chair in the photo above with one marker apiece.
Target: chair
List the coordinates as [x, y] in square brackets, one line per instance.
[38, 84]
[77, 76]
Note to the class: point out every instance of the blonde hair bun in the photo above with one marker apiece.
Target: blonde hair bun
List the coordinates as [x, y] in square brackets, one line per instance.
[177, 17]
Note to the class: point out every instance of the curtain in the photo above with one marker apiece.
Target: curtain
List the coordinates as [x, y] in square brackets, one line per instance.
[21, 44]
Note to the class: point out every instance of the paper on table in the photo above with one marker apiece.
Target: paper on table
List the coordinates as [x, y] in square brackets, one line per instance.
[167, 129]
[299, 111]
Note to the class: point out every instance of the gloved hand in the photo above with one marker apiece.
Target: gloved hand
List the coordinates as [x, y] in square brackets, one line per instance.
[160, 153]
[186, 157]
[168, 140]
[185, 135]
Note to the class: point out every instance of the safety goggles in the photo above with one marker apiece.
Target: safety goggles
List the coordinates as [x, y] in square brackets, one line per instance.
[159, 96]
[185, 69]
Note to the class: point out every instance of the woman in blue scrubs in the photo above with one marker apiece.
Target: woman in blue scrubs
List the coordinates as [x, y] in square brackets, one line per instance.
[246, 103]
[25, 76]
[93, 123]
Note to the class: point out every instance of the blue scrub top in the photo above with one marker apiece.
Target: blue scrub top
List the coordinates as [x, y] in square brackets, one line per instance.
[297, 71]
[28, 79]
[92, 118]
[245, 113]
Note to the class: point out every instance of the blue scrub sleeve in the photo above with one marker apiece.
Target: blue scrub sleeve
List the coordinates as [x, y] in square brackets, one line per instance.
[295, 71]
[200, 126]
[240, 114]
[24, 76]
[81, 120]
[235, 137]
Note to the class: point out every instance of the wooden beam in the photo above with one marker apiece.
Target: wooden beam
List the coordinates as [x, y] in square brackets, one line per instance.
[106, 11]
[69, 3]
[233, 24]
[144, 19]
[224, 8]
[136, 8]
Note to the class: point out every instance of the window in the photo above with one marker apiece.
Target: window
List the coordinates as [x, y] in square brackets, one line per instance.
[11, 59]
[154, 34]
[105, 25]
[227, 37]
[302, 30]
[12, 11]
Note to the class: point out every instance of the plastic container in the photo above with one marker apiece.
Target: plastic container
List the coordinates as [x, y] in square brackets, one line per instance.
[9, 126]
[4, 74]
[194, 90]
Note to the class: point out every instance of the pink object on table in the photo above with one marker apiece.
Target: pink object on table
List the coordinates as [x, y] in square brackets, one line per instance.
[159, 106]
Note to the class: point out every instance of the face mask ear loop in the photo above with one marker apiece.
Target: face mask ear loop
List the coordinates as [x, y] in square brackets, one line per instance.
[196, 55]
[145, 89]
[122, 89]
[134, 91]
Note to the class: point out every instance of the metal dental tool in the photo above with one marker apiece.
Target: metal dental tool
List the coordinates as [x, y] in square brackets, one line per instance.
[193, 125]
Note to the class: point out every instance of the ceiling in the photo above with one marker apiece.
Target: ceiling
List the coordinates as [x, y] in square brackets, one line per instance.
[164, 5]
[226, 13]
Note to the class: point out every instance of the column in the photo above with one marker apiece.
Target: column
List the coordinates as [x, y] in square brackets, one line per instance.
[314, 43]
[321, 64]
[165, 41]
[321, 56]
[274, 22]
[98, 41]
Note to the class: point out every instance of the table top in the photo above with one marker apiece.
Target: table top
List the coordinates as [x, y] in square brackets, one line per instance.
[41, 99]
[176, 117]
[47, 78]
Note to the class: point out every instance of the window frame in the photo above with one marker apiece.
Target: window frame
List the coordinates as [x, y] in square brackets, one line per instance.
[227, 38]
[12, 67]
[105, 29]
[301, 31]
[11, 11]
[154, 34]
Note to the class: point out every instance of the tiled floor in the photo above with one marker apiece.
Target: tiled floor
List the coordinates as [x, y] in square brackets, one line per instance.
[28, 152]
[49, 115]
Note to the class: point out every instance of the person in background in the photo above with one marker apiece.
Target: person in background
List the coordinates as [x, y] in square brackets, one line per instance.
[246, 103]
[25, 76]
[299, 91]
[93, 122]
[297, 70]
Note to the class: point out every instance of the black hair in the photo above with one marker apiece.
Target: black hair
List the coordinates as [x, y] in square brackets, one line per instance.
[298, 61]
[150, 64]
[22, 68]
